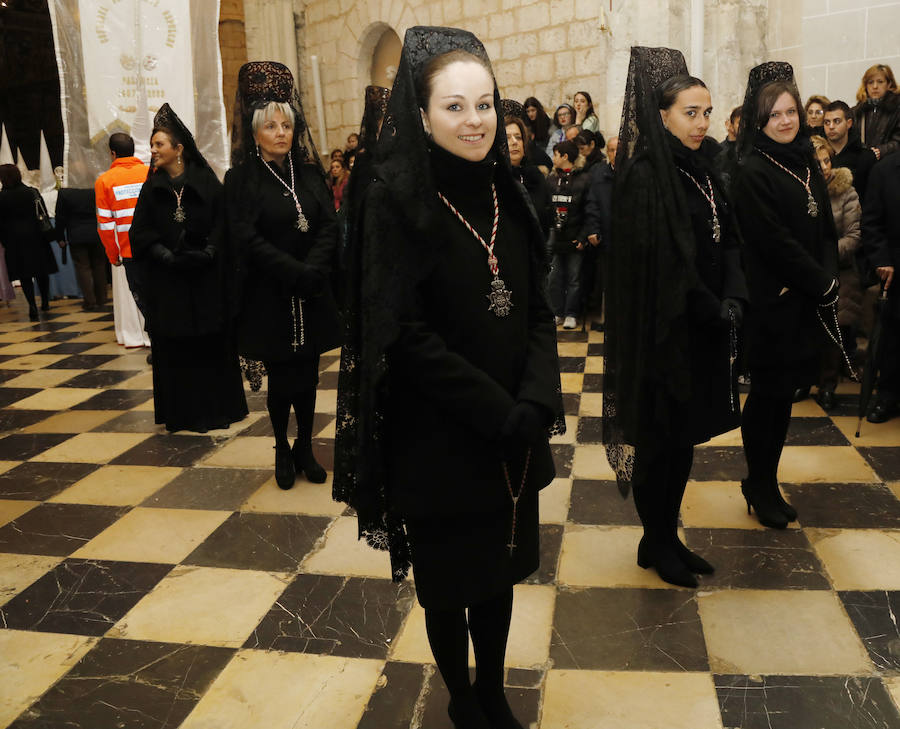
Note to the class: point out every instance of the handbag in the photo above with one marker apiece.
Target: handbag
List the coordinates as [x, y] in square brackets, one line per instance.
[45, 225]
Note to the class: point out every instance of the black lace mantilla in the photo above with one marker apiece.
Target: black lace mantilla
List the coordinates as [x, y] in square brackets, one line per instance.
[760, 75]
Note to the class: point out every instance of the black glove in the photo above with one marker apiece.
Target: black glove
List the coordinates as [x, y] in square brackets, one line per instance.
[193, 259]
[830, 297]
[523, 427]
[163, 255]
[309, 281]
[729, 307]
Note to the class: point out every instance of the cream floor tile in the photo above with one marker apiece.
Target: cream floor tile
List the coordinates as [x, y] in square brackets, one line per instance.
[88, 326]
[245, 452]
[328, 431]
[593, 366]
[342, 553]
[117, 485]
[334, 366]
[303, 498]
[13, 508]
[808, 408]
[18, 571]
[24, 348]
[326, 401]
[604, 557]
[287, 691]
[140, 381]
[91, 448]
[717, 505]
[104, 337]
[42, 378]
[571, 431]
[893, 686]
[74, 316]
[595, 337]
[834, 464]
[111, 347]
[203, 605]
[164, 536]
[19, 336]
[31, 361]
[8, 465]
[859, 559]
[590, 462]
[30, 663]
[55, 398]
[73, 421]
[234, 428]
[571, 381]
[794, 632]
[591, 404]
[529, 632]
[895, 487]
[870, 434]
[147, 407]
[572, 349]
[629, 700]
[131, 359]
[554, 501]
[731, 438]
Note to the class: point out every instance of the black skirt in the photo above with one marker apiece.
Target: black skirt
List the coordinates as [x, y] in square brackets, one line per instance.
[465, 560]
[197, 383]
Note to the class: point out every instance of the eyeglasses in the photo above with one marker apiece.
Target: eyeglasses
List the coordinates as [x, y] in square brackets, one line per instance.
[815, 112]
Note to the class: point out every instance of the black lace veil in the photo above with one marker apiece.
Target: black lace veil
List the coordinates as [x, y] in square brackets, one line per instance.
[759, 76]
[645, 334]
[383, 268]
[167, 120]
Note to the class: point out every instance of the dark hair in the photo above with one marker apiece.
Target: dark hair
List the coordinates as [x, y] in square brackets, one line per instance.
[121, 144]
[571, 112]
[353, 134]
[540, 127]
[668, 90]
[437, 64]
[735, 113]
[590, 101]
[769, 94]
[568, 149]
[510, 119]
[10, 176]
[839, 105]
[586, 136]
[336, 152]
[174, 139]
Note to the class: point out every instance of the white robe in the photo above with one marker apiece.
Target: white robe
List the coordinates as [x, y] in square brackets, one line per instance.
[129, 320]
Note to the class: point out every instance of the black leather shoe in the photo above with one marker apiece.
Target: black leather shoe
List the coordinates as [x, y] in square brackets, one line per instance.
[284, 467]
[801, 394]
[693, 561]
[33, 313]
[666, 563]
[766, 502]
[305, 462]
[881, 412]
[827, 400]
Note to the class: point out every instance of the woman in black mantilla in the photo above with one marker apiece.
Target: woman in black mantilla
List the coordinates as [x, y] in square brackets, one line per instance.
[675, 298]
[782, 206]
[177, 235]
[282, 224]
[450, 379]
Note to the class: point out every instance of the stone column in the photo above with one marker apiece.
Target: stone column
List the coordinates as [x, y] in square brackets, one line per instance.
[233, 45]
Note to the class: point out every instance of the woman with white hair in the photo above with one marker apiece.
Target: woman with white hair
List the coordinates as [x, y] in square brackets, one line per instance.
[282, 226]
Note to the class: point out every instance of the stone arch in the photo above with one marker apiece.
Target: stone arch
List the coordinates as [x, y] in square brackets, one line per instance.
[377, 37]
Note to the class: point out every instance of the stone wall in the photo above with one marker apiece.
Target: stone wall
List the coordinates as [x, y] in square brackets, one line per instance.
[233, 46]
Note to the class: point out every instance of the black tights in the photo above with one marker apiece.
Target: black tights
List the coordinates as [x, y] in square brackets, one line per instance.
[279, 407]
[660, 478]
[448, 635]
[764, 426]
[43, 282]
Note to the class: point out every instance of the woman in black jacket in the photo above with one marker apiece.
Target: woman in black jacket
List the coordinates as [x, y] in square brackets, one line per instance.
[675, 296]
[785, 217]
[876, 116]
[449, 378]
[28, 254]
[76, 223]
[282, 225]
[177, 237]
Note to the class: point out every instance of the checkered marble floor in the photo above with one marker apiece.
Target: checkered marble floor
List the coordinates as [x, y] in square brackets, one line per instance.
[150, 580]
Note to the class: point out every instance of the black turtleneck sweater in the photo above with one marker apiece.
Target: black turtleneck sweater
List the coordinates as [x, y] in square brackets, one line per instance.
[457, 369]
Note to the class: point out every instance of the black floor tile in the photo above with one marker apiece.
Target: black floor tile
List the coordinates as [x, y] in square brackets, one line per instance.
[129, 683]
[256, 401]
[627, 630]
[393, 702]
[590, 430]
[10, 395]
[57, 529]
[323, 450]
[99, 378]
[39, 481]
[62, 337]
[563, 454]
[133, 421]
[262, 428]
[805, 702]
[271, 542]
[326, 360]
[82, 361]
[67, 347]
[600, 502]
[875, 617]
[22, 446]
[209, 488]
[571, 364]
[328, 380]
[167, 450]
[50, 326]
[524, 678]
[815, 431]
[884, 460]
[758, 559]
[571, 402]
[13, 419]
[595, 349]
[551, 545]
[845, 505]
[6, 375]
[846, 404]
[335, 615]
[592, 383]
[571, 336]
[84, 597]
[724, 463]
[115, 400]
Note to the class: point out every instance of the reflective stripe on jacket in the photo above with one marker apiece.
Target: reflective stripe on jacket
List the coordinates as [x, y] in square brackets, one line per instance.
[117, 192]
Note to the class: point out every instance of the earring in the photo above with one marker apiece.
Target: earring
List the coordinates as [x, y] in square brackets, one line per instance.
[179, 159]
[257, 151]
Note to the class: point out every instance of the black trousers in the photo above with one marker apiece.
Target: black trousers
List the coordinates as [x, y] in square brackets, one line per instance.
[89, 260]
[889, 361]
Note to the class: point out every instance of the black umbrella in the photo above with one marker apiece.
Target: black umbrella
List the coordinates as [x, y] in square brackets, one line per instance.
[870, 372]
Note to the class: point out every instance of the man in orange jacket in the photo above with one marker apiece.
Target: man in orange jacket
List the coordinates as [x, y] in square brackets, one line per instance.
[117, 192]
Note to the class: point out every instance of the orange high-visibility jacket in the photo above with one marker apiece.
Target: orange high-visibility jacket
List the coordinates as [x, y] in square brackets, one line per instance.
[117, 192]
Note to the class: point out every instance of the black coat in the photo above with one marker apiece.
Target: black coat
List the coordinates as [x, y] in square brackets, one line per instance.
[27, 253]
[568, 193]
[879, 126]
[598, 203]
[76, 216]
[881, 224]
[278, 262]
[183, 297]
[538, 190]
[791, 260]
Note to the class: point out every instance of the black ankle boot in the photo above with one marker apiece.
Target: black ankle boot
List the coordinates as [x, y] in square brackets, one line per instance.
[33, 313]
[284, 466]
[667, 564]
[693, 561]
[305, 462]
[789, 511]
[466, 713]
[497, 710]
[766, 502]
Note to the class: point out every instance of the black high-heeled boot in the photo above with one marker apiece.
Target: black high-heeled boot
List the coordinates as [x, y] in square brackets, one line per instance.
[789, 511]
[305, 462]
[666, 562]
[766, 502]
[284, 466]
[693, 561]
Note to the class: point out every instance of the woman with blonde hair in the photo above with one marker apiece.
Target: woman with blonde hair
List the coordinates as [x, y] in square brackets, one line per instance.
[815, 112]
[877, 115]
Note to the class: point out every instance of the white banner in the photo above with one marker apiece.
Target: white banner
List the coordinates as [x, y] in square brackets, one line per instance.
[127, 44]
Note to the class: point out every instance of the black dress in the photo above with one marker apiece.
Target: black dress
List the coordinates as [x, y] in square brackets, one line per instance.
[455, 371]
[27, 253]
[288, 315]
[196, 379]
